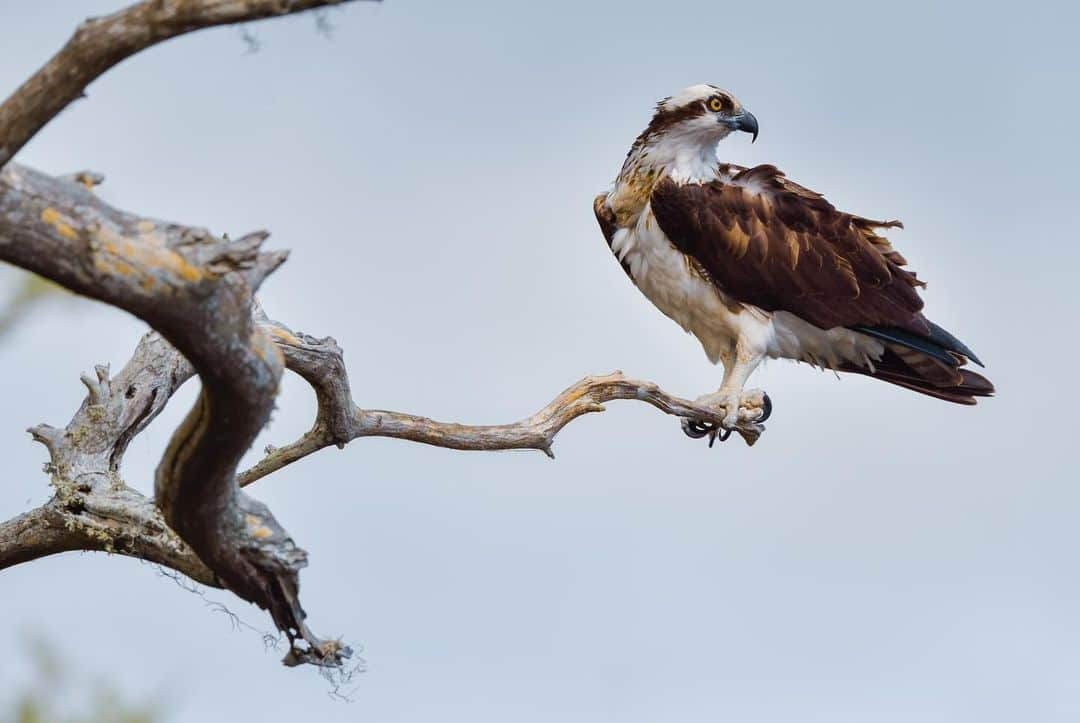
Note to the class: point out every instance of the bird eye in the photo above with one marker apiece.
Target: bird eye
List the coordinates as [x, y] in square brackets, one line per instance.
[716, 104]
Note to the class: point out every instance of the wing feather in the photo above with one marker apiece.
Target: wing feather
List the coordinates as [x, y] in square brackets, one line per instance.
[608, 226]
[767, 241]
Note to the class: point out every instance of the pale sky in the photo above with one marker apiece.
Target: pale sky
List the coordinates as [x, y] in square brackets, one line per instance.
[878, 556]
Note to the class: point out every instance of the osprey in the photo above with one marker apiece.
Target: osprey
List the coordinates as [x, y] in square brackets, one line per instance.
[757, 266]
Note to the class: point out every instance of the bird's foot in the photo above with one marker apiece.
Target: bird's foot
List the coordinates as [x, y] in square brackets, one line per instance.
[751, 407]
[757, 404]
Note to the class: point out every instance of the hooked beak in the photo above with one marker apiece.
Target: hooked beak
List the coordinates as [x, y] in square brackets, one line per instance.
[745, 121]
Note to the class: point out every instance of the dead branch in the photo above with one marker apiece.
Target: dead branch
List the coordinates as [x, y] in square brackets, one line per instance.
[196, 291]
[92, 508]
[339, 419]
[100, 43]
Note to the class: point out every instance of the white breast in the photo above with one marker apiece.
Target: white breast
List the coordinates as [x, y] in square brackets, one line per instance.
[666, 276]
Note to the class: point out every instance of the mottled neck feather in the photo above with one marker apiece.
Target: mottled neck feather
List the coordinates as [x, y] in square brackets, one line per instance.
[681, 155]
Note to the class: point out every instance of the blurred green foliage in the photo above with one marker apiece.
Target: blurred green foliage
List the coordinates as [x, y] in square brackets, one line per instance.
[28, 290]
[56, 695]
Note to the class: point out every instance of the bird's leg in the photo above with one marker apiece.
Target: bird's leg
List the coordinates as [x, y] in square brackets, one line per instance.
[738, 366]
[730, 394]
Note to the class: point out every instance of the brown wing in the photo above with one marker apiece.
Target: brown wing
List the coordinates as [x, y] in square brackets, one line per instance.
[608, 225]
[767, 241]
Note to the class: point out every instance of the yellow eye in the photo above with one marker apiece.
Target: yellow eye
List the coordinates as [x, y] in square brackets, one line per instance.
[715, 104]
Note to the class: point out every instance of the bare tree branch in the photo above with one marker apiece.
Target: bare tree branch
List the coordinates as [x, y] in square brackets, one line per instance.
[339, 420]
[196, 291]
[100, 43]
[92, 509]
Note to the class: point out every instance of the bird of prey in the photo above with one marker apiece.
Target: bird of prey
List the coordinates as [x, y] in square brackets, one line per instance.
[757, 266]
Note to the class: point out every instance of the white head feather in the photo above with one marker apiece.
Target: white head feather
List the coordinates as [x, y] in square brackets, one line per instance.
[693, 94]
[683, 144]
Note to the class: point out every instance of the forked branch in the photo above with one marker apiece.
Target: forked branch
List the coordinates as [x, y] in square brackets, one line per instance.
[196, 291]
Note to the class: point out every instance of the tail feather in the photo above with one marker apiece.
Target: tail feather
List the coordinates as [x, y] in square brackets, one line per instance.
[908, 340]
[950, 342]
[976, 384]
[949, 395]
[928, 364]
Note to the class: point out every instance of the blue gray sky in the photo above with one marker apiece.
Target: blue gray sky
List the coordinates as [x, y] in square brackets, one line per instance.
[878, 556]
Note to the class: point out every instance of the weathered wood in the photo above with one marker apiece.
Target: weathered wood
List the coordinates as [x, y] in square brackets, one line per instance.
[196, 291]
[92, 508]
[339, 420]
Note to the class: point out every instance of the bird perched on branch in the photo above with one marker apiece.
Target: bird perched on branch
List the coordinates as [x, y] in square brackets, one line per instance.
[757, 266]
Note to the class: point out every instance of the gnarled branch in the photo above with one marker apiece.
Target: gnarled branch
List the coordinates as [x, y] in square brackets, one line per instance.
[196, 290]
[92, 508]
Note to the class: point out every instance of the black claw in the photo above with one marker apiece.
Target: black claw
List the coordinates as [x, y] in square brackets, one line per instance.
[721, 434]
[766, 408]
[696, 429]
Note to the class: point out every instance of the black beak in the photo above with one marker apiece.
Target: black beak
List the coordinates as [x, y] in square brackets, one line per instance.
[746, 121]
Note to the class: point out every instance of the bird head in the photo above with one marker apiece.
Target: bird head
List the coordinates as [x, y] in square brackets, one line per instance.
[703, 113]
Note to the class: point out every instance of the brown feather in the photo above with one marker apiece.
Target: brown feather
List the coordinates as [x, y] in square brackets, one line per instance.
[767, 241]
[912, 370]
[608, 225]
